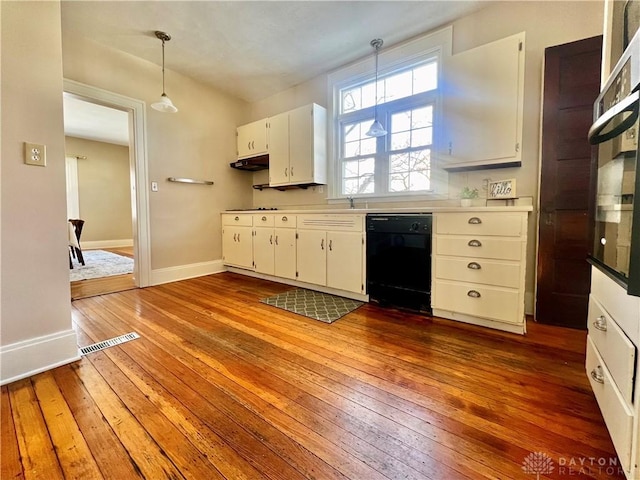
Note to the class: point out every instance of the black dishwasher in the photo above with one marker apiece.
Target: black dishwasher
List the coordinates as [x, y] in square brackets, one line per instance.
[399, 260]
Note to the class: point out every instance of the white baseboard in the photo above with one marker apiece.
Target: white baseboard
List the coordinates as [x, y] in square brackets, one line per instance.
[36, 355]
[97, 244]
[183, 272]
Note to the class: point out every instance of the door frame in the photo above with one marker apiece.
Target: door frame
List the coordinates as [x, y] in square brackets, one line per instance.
[139, 166]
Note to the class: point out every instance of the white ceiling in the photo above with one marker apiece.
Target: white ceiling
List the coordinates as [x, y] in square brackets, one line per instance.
[254, 49]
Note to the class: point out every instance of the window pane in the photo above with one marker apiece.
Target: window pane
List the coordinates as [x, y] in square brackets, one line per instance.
[399, 182]
[420, 160]
[368, 145]
[400, 163]
[425, 78]
[368, 95]
[350, 169]
[367, 166]
[351, 100]
[401, 122]
[355, 142]
[419, 181]
[351, 133]
[366, 184]
[400, 140]
[421, 137]
[422, 117]
[358, 176]
[398, 86]
[350, 186]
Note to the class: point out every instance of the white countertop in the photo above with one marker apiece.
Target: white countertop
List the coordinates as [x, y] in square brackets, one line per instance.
[398, 210]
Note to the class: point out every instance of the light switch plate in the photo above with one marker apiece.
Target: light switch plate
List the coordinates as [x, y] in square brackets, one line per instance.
[35, 154]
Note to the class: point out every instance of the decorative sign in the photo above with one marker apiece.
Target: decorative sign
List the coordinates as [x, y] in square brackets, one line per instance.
[502, 189]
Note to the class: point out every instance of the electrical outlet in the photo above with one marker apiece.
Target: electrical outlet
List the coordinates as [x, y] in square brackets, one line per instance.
[154, 186]
[35, 154]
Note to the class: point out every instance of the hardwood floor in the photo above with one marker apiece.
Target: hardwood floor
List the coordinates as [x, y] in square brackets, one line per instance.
[222, 386]
[101, 286]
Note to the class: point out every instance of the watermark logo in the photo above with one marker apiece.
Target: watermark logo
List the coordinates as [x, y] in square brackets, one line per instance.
[537, 463]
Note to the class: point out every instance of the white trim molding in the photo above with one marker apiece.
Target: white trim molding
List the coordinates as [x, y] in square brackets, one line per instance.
[183, 272]
[36, 355]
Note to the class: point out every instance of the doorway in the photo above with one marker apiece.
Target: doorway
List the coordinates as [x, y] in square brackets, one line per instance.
[571, 85]
[134, 113]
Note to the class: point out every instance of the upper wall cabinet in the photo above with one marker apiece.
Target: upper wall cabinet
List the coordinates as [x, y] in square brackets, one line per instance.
[298, 147]
[483, 106]
[253, 139]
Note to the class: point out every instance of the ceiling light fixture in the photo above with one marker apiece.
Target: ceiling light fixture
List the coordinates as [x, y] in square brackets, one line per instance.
[165, 104]
[376, 129]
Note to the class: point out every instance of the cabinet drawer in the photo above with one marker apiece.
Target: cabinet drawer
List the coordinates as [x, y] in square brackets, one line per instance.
[487, 302]
[240, 220]
[485, 247]
[617, 415]
[260, 220]
[330, 221]
[480, 223]
[617, 351]
[285, 221]
[482, 271]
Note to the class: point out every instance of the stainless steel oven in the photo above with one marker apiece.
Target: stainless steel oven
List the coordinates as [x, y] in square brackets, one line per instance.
[616, 246]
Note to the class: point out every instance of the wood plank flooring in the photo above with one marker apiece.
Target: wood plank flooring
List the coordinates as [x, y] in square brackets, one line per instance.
[221, 386]
[101, 286]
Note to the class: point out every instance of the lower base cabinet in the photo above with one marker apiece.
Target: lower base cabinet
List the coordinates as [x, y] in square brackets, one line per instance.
[285, 253]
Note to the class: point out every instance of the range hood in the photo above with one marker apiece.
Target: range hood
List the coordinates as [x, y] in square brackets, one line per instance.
[252, 164]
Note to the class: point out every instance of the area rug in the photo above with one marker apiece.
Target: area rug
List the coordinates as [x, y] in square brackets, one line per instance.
[98, 264]
[319, 306]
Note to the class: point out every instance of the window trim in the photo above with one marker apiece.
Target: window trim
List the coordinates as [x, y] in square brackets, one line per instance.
[417, 50]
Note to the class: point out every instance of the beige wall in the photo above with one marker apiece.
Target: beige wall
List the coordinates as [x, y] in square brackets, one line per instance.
[104, 188]
[197, 142]
[35, 267]
[545, 23]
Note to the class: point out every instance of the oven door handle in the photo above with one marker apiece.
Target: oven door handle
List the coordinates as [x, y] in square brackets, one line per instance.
[629, 104]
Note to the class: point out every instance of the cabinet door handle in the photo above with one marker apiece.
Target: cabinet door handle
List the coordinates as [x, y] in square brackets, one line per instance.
[330, 245]
[291, 171]
[474, 266]
[234, 236]
[475, 221]
[601, 323]
[597, 374]
[276, 239]
[253, 145]
[285, 172]
[473, 294]
[271, 239]
[238, 237]
[284, 219]
[248, 145]
[322, 244]
[474, 243]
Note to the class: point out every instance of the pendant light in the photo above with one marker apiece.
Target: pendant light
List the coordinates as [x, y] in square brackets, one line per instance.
[376, 129]
[165, 104]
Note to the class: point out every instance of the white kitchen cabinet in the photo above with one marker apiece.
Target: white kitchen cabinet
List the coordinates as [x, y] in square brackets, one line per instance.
[298, 147]
[263, 244]
[611, 364]
[253, 139]
[331, 251]
[285, 246]
[237, 242]
[344, 261]
[483, 105]
[312, 256]
[479, 263]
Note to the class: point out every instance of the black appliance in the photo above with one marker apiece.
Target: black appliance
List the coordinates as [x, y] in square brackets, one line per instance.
[399, 260]
[252, 164]
[616, 246]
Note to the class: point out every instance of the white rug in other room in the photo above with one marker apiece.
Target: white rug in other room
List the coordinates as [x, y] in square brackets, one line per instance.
[98, 263]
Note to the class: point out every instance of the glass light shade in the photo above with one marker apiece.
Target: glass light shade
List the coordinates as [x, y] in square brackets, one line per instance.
[164, 105]
[376, 130]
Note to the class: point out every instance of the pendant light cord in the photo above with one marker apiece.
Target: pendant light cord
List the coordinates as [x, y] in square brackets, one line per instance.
[163, 67]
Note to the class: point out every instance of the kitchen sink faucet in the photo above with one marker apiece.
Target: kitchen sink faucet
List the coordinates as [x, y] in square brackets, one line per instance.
[351, 202]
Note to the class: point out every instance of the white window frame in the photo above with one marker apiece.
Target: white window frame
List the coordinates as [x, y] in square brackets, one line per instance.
[417, 50]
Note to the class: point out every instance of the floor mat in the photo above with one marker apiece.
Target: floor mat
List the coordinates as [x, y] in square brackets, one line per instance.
[319, 306]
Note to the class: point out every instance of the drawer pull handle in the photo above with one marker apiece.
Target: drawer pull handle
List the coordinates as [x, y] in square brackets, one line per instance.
[330, 245]
[284, 219]
[264, 219]
[237, 219]
[601, 323]
[276, 239]
[271, 239]
[235, 235]
[473, 294]
[597, 374]
[475, 221]
[474, 266]
[322, 244]
[474, 243]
